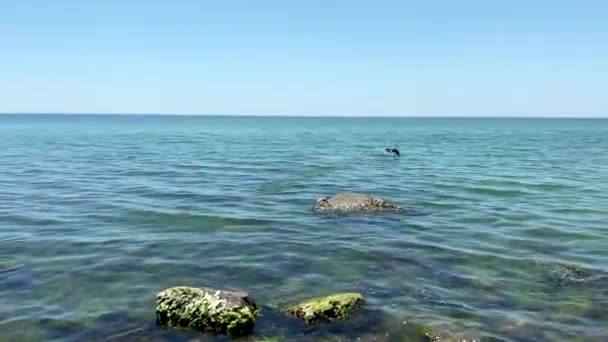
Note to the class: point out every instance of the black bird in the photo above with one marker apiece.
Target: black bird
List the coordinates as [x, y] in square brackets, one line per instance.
[393, 150]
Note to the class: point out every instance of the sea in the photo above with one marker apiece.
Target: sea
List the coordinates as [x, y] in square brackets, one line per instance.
[505, 237]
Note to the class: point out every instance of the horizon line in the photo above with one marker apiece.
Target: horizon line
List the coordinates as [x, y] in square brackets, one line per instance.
[367, 116]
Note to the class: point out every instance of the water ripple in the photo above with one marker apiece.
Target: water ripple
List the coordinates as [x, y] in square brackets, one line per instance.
[99, 214]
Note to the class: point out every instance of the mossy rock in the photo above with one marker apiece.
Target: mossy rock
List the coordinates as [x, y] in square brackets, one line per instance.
[326, 309]
[208, 310]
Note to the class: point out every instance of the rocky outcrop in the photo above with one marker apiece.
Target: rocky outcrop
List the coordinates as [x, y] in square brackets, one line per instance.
[350, 202]
[325, 309]
[207, 310]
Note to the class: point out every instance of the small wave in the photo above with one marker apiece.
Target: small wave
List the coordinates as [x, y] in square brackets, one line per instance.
[7, 265]
[493, 191]
[188, 218]
[556, 233]
[579, 211]
[31, 220]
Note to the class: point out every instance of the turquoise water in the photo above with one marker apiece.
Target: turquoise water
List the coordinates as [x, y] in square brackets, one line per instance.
[100, 213]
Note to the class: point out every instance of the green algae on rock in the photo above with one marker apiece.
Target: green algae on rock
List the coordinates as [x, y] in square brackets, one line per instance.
[350, 202]
[324, 309]
[207, 310]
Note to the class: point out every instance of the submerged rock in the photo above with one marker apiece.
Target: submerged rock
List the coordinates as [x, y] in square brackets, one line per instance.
[432, 336]
[564, 274]
[325, 309]
[429, 334]
[208, 310]
[350, 202]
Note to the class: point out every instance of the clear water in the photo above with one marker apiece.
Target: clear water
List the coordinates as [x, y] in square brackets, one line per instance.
[99, 213]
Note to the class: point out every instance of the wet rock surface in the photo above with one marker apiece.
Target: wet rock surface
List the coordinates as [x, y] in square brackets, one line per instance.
[350, 202]
[326, 309]
[207, 310]
[561, 274]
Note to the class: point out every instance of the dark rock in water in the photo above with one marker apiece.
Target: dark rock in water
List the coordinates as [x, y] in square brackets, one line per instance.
[569, 274]
[430, 334]
[326, 309]
[350, 202]
[518, 330]
[565, 274]
[208, 310]
[416, 332]
[446, 337]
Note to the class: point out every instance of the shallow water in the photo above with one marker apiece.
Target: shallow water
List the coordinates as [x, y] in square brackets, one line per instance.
[98, 214]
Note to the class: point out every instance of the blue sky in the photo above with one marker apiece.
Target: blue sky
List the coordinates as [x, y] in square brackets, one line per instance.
[314, 57]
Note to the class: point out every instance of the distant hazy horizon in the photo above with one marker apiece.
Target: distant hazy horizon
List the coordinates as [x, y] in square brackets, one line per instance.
[379, 116]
